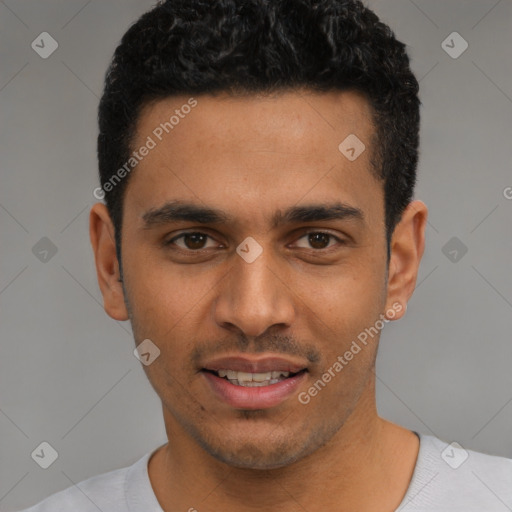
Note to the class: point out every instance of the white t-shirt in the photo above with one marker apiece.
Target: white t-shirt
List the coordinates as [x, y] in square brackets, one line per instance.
[446, 479]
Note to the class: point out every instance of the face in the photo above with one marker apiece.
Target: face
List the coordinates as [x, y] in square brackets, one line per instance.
[251, 245]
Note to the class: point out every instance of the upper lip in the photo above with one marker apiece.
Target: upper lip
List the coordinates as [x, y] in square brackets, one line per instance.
[254, 365]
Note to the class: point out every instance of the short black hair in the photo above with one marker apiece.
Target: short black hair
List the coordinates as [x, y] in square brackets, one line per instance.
[263, 46]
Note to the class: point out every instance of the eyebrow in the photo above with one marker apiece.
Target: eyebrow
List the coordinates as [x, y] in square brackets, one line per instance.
[175, 211]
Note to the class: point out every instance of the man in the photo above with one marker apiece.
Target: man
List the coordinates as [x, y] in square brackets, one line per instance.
[258, 162]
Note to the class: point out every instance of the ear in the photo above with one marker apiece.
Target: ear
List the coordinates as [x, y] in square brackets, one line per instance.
[101, 232]
[406, 249]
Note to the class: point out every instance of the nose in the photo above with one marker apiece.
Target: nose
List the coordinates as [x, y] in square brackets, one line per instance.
[254, 297]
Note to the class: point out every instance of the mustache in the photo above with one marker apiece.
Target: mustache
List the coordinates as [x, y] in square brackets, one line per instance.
[284, 345]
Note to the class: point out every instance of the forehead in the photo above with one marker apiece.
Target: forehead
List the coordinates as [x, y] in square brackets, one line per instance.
[267, 122]
[257, 150]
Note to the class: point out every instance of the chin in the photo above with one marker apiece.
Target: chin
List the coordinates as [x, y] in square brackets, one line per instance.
[252, 456]
[264, 452]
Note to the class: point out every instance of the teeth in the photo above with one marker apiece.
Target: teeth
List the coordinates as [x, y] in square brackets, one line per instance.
[254, 384]
[253, 379]
[244, 376]
[260, 377]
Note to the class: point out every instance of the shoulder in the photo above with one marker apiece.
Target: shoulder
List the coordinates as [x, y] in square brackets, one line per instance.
[449, 477]
[101, 492]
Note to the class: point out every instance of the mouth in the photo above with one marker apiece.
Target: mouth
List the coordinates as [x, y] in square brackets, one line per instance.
[254, 380]
[245, 383]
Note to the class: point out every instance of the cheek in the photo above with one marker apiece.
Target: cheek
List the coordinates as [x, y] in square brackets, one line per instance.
[167, 306]
[347, 296]
[154, 282]
[341, 315]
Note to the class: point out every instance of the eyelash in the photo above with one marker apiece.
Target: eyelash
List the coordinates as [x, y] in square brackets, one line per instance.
[199, 251]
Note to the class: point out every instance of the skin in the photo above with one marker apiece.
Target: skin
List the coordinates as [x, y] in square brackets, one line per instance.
[304, 299]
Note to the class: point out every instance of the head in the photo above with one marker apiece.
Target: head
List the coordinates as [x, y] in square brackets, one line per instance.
[229, 120]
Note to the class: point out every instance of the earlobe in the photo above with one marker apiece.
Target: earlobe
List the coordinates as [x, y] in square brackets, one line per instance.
[101, 231]
[407, 246]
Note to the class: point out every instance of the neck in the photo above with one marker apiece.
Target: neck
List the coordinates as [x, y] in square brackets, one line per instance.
[361, 466]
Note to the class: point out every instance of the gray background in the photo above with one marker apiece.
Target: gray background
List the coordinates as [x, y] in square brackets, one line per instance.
[68, 375]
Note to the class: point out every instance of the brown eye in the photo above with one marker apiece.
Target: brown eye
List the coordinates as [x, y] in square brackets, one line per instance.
[192, 241]
[319, 240]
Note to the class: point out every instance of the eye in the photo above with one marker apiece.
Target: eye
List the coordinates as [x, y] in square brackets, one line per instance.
[192, 241]
[195, 241]
[319, 240]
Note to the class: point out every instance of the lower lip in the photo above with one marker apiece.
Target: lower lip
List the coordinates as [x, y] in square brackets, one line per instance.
[261, 397]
